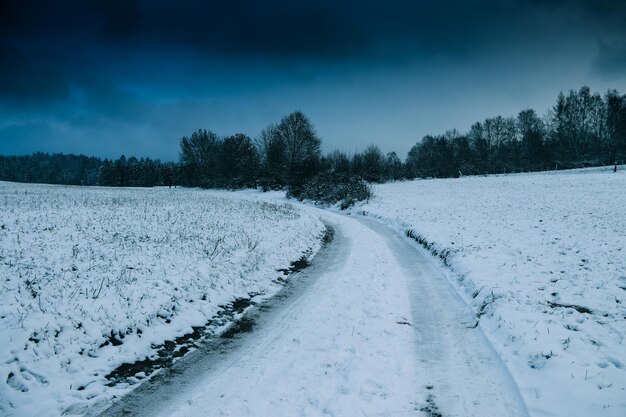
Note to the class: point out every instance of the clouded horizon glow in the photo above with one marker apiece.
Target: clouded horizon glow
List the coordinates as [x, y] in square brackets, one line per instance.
[106, 78]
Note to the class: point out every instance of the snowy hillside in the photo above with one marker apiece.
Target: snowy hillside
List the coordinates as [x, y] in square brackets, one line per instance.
[541, 258]
[91, 278]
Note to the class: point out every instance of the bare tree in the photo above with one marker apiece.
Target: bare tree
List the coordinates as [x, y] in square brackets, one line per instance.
[263, 141]
[240, 161]
[199, 156]
[301, 146]
[373, 164]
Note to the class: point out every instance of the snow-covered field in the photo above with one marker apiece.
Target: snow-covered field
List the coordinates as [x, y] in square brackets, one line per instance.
[91, 278]
[541, 258]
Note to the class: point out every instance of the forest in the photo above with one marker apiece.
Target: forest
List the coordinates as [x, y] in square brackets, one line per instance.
[581, 129]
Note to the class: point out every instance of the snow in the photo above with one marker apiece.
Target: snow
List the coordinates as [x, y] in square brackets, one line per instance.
[534, 262]
[83, 266]
[375, 331]
[541, 260]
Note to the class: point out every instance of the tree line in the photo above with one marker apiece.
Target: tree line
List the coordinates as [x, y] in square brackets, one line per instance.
[284, 155]
[69, 169]
[50, 169]
[133, 172]
[581, 129]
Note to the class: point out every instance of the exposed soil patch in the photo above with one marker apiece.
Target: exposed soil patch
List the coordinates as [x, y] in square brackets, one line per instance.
[580, 309]
[172, 349]
[240, 326]
[431, 408]
[239, 305]
[329, 235]
[296, 266]
[442, 254]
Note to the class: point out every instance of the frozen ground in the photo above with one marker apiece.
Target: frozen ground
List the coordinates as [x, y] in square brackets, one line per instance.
[537, 259]
[541, 258]
[91, 278]
[374, 330]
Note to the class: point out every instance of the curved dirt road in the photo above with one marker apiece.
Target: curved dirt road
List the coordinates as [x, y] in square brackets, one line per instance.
[373, 330]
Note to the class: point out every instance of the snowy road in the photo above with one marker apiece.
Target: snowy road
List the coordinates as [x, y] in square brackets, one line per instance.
[373, 330]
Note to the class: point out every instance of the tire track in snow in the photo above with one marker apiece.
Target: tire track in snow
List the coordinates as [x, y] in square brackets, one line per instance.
[465, 376]
[373, 328]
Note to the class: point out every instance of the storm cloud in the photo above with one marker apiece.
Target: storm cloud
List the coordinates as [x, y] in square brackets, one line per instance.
[367, 71]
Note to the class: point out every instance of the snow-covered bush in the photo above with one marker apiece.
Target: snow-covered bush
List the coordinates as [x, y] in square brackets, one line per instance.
[329, 188]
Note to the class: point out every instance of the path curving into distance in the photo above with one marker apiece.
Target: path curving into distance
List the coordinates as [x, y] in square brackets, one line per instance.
[372, 328]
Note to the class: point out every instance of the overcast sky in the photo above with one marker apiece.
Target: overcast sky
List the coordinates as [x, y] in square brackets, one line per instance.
[110, 77]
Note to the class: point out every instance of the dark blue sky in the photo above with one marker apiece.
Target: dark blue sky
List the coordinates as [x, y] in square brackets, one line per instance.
[110, 77]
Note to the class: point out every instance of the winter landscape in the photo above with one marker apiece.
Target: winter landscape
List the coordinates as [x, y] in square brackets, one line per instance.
[315, 209]
[94, 278]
